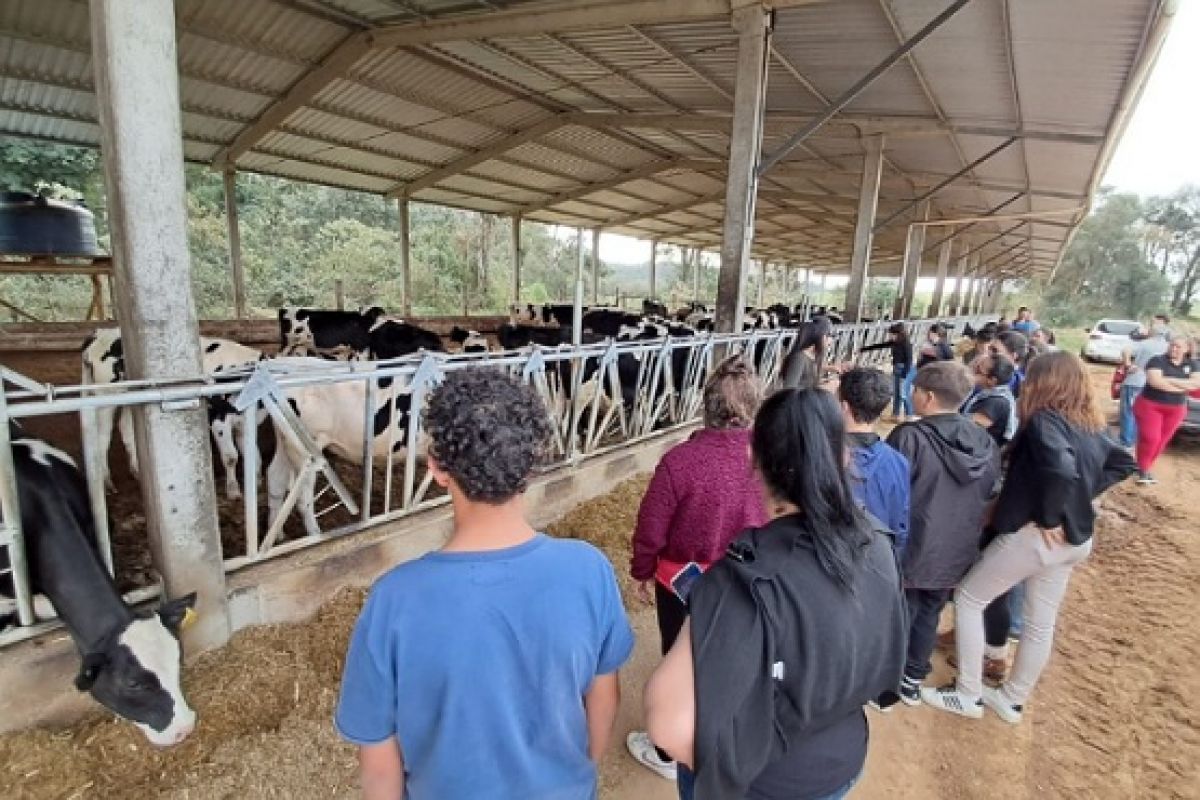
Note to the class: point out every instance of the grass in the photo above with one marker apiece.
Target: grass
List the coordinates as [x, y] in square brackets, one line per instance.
[1070, 339]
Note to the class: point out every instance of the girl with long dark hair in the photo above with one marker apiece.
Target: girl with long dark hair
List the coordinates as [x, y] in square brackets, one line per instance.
[791, 634]
[805, 362]
[1061, 461]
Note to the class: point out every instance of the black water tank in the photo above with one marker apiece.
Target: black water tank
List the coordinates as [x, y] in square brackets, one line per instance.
[33, 225]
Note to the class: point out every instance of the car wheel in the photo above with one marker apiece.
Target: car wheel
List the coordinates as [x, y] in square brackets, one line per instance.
[1087, 359]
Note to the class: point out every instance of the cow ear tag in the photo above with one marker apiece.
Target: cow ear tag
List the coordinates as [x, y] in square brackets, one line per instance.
[189, 617]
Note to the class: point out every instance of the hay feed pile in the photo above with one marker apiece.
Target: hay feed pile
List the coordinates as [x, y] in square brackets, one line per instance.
[608, 522]
[264, 703]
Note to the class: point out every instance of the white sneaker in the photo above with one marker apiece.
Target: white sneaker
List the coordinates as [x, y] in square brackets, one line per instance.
[947, 698]
[998, 701]
[642, 749]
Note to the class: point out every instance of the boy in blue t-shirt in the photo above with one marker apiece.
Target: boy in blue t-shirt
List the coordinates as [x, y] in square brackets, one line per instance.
[879, 474]
[487, 668]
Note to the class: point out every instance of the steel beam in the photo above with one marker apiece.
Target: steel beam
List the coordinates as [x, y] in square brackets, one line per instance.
[753, 26]
[868, 201]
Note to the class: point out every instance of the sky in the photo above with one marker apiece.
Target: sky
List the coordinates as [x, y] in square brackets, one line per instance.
[1160, 151]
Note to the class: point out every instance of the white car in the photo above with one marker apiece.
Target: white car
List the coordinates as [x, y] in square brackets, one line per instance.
[1108, 340]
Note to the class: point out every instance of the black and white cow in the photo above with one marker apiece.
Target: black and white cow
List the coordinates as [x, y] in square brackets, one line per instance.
[612, 322]
[513, 337]
[333, 416]
[653, 308]
[469, 341]
[130, 662]
[393, 338]
[104, 363]
[344, 335]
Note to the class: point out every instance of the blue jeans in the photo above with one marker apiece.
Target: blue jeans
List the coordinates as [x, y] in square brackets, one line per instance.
[1128, 423]
[902, 391]
[1016, 610]
[687, 785]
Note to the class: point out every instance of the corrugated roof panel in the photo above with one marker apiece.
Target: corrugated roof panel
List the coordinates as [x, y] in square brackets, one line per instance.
[599, 146]
[312, 173]
[522, 174]
[568, 64]
[1007, 166]
[490, 61]
[1060, 165]
[1072, 58]
[372, 136]
[481, 187]
[203, 94]
[261, 25]
[234, 66]
[373, 164]
[965, 62]
[835, 45]
[465, 201]
[209, 128]
[38, 126]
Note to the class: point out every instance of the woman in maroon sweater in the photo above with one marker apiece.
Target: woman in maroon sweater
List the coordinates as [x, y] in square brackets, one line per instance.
[703, 494]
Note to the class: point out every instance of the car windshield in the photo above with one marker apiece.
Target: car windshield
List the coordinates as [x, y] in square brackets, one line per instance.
[1116, 327]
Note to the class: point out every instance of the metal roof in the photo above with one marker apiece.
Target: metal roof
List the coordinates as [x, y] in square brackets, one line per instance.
[615, 113]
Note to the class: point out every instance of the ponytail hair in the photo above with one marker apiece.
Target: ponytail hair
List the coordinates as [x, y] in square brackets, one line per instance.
[799, 446]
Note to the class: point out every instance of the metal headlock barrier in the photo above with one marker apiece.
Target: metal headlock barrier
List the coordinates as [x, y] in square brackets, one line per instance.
[600, 397]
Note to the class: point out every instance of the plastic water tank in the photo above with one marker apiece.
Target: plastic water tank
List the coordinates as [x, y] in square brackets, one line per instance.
[34, 225]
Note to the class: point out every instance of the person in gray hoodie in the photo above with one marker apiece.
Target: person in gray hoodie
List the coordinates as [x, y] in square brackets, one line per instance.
[955, 468]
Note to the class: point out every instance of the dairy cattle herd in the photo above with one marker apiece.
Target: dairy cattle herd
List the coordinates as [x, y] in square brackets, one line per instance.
[130, 661]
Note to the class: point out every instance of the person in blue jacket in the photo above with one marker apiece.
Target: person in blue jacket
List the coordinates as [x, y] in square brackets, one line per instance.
[879, 474]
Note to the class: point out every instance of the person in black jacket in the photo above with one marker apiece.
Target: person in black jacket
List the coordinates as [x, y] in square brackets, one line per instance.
[791, 634]
[937, 346]
[1060, 461]
[903, 368]
[954, 467]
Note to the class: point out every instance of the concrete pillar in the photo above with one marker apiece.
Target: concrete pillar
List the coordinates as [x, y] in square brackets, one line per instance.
[654, 268]
[697, 273]
[405, 257]
[762, 282]
[229, 178]
[137, 93]
[596, 266]
[939, 287]
[980, 291]
[516, 258]
[753, 26]
[911, 266]
[994, 298]
[960, 275]
[868, 200]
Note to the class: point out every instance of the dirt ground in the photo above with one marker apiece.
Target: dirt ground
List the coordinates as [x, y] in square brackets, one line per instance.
[1115, 716]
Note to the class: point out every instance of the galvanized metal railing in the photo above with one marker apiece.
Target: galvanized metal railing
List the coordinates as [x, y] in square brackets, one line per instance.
[600, 397]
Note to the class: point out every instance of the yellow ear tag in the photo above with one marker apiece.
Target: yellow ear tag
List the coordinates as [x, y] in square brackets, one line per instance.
[189, 616]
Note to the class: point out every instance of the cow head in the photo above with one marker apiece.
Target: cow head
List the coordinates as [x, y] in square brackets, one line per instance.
[372, 315]
[135, 673]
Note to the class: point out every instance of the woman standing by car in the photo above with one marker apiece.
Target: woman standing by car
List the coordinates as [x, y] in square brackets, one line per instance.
[703, 493]
[791, 634]
[1060, 462]
[1163, 405]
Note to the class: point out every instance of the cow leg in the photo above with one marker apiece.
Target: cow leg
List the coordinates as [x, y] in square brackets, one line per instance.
[125, 426]
[307, 501]
[104, 431]
[224, 433]
[279, 478]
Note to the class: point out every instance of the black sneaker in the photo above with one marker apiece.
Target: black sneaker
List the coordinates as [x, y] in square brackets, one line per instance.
[910, 692]
[883, 704]
[1146, 479]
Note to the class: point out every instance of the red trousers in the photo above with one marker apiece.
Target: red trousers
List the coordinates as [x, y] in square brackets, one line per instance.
[1156, 424]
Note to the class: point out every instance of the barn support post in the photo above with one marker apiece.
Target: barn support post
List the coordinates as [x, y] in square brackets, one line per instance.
[516, 258]
[229, 180]
[137, 92]
[939, 287]
[753, 26]
[980, 290]
[697, 272]
[405, 256]
[955, 301]
[654, 269]
[762, 282]
[868, 202]
[595, 266]
[914, 246]
[969, 287]
[577, 312]
[997, 297]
